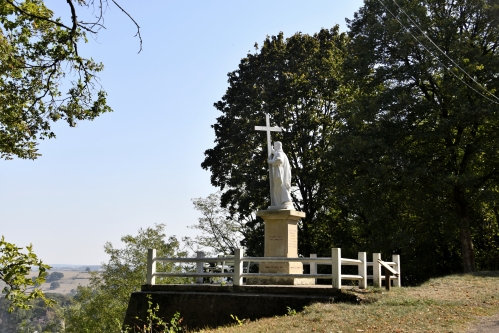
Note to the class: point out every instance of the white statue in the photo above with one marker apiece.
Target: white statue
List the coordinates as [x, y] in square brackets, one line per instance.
[281, 178]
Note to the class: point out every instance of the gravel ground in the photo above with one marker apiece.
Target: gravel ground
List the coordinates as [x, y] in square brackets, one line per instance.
[485, 325]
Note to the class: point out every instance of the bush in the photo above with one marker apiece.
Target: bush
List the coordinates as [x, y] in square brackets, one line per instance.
[54, 276]
[54, 285]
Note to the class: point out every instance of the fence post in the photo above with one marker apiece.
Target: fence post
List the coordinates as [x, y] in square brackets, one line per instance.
[336, 267]
[238, 267]
[363, 270]
[151, 267]
[199, 266]
[313, 266]
[376, 270]
[398, 281]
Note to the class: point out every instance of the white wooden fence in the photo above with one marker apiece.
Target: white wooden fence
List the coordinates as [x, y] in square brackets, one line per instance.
[238, 274]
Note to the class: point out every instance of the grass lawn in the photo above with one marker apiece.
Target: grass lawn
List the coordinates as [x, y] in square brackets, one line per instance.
[447, 304]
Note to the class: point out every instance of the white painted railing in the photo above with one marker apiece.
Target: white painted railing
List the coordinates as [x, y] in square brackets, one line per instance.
[238, 274]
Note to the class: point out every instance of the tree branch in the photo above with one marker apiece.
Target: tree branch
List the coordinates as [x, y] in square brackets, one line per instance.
[131, 18]
[19, 9]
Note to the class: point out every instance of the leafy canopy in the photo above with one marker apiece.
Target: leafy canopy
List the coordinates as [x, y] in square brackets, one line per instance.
[297, 81]
[43, 77]
[419, 149]
[219, 232]
[15, 266]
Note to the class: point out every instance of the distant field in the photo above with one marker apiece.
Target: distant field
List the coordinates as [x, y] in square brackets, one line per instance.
[71, 280]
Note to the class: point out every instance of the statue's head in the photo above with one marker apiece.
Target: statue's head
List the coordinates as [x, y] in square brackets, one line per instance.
[277, 145]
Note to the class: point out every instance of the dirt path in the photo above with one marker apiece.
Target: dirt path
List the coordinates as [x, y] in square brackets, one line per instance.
[485, 325]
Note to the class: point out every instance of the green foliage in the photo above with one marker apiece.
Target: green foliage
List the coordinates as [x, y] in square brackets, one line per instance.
[291, 312]
[43, 77]
[421, 145]
[38, 317]
[393, 147]
[238, 321]
[155, 324]
[15, 265]
[54, 285]
[219, 232]
[54, 276]
[297, 81]
[101, 306]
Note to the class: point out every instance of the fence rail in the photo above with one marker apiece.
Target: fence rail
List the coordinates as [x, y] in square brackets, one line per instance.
[335, 261]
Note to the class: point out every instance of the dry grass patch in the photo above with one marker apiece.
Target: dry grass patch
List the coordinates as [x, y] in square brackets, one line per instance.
[447, 304]
[70, 281]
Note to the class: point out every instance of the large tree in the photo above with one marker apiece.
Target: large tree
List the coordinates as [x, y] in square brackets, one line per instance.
[43, 76]
[297, 81]
[421, 138]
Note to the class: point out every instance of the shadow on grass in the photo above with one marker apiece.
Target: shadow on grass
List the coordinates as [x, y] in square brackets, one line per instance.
[485, 274]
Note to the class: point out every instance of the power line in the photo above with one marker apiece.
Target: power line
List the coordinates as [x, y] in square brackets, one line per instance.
[441, 51]
[433, 55]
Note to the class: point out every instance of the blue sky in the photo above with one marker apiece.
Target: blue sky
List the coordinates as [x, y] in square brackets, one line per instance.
[140, 165]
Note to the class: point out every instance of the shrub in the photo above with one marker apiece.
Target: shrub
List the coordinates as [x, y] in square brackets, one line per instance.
[54, 285]
[54, 276]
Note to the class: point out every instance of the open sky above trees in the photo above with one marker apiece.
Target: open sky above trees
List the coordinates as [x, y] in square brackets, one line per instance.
[140, 165]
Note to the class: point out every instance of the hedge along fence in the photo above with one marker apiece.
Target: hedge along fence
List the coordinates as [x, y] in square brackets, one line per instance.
[237, 275]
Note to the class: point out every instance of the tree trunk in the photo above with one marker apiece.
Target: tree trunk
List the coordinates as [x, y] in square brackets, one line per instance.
[467, 250]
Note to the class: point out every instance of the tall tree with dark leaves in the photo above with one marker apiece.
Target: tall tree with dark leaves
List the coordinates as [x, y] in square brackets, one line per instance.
[297, 81]
[422, 137]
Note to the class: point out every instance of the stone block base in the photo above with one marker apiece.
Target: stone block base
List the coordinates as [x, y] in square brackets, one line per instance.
[280, 281]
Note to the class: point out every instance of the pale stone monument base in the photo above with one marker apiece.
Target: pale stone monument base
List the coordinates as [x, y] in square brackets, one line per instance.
[281, 240]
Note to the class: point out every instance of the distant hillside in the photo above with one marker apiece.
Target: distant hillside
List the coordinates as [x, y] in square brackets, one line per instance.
[69, 267]
[67, 284]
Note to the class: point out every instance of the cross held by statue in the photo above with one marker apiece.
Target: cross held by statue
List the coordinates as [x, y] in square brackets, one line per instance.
[268, 129]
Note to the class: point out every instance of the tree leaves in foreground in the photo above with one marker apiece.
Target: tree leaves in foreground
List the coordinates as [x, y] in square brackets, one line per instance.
[101, 306]
[43, 77]
[421, 139]
[15, 265]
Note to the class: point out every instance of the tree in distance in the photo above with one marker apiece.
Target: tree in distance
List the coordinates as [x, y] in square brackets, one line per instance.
[43, 77]
[54, 276]
[54, 285]
[219, 232]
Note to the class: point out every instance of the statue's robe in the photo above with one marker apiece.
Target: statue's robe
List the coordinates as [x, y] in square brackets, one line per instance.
[281, 174]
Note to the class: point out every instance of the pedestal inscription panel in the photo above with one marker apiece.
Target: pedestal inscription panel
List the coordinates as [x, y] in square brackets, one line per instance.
[281, 240]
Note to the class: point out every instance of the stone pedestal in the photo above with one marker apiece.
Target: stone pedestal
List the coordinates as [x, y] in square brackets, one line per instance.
[281, 240]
